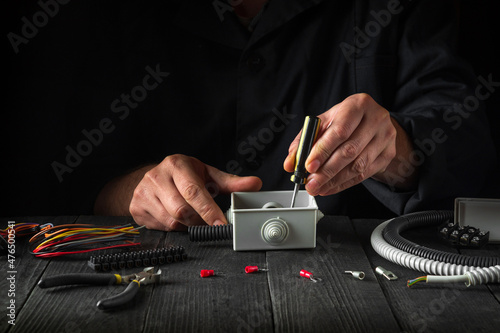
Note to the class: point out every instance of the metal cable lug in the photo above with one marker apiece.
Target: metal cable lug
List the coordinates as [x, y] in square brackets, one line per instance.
[388, 274]
[357, 274]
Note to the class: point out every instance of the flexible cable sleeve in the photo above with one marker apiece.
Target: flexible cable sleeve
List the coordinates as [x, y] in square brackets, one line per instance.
[474, 275]
[205, 233]
[429, 266]
[484, 275]
[392, 234]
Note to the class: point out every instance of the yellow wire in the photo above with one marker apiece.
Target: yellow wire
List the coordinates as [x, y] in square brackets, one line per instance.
[25, 226]
[95, 231]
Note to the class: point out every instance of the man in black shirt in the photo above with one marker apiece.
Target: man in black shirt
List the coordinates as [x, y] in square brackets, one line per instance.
[158, 108]
[400, 112]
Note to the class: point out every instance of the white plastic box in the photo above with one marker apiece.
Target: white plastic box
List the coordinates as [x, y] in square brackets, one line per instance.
[265, 221]
[479, 213]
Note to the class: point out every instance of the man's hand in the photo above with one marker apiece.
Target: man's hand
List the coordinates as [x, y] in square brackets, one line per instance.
[357, 139]
[177, 192]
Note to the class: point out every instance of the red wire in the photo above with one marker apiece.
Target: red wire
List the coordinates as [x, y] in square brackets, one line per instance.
[67, 239]
[19, 228]
[74, 237]
[50, 250]
[56, 254]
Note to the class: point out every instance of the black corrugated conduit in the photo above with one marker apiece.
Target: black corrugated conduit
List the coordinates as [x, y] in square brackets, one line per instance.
[392, 234]
[206, 233]
[445, 267]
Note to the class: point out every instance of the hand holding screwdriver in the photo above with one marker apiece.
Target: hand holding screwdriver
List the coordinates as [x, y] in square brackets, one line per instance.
[307, 139]
[358, 139]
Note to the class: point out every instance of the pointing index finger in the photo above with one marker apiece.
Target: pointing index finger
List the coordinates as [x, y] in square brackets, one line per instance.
[198, 197]
[192, 188]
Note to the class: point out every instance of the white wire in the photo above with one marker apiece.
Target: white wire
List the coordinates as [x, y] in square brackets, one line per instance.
[448, 272]
[447, 279]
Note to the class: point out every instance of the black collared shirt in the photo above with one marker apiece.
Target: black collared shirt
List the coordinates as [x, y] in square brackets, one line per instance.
[186, 77]
[236, 100]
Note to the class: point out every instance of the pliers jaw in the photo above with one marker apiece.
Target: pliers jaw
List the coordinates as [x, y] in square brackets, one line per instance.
[147, 276]
[134, 281]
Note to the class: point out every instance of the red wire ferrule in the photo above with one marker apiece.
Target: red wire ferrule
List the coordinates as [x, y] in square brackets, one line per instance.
[306, 274]
[309, 275]
[251, 269]
[206, 273]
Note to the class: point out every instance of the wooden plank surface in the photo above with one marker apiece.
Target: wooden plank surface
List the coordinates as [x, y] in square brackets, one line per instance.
[339, 303]
[230, 301]
[432, 308]
[489, 250]
[278, 300]
[28, 270]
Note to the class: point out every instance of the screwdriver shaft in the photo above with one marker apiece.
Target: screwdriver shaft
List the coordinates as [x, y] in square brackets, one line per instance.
[294, 196]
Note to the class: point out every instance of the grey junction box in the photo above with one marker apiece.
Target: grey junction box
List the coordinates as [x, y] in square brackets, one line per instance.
[264, 220]
[480, 213]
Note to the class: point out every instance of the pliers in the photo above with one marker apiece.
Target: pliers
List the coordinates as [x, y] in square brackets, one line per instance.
[147, 276]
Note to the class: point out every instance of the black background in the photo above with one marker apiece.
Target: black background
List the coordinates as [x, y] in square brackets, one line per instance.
[71, 65]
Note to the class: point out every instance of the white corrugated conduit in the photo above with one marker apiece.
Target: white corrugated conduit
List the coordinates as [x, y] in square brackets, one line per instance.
[443, 267]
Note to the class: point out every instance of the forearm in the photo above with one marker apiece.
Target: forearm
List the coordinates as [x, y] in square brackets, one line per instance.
[114, 198]
[400, 173]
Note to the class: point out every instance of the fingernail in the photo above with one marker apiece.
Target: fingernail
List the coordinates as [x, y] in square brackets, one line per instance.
[312, 187]
[313, 166]
[218, 222]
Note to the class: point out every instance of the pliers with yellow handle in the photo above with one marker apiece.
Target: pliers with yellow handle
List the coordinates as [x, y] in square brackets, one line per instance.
[147, 276]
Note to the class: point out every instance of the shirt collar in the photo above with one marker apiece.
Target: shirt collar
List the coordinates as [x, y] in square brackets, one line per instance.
[278, 13]
[214, 20]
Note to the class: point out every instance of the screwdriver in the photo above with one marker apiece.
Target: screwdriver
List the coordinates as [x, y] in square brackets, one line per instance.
[307, 139]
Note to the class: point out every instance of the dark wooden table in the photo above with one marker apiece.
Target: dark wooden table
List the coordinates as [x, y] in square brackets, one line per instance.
[231, 301]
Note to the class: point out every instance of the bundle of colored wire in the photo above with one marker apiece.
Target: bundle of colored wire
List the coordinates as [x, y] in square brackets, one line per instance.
[413, 281]
[24, 229]
[80, 238]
